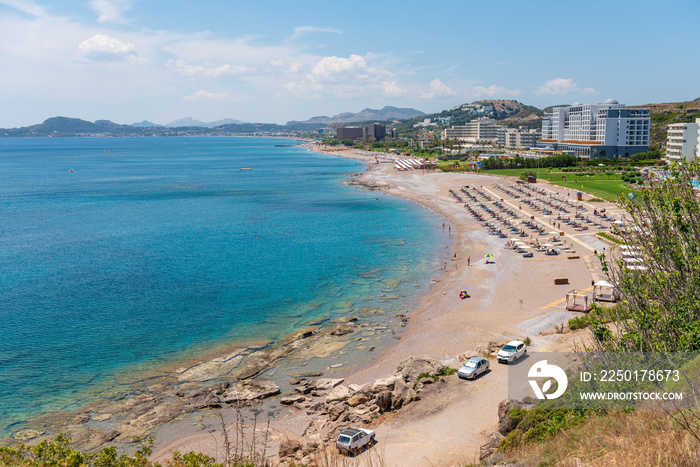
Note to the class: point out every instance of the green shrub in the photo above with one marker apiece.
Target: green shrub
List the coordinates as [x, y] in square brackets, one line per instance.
[426, 375]
[579, 322]
[512, 441]
[447, 371]
[58, 452]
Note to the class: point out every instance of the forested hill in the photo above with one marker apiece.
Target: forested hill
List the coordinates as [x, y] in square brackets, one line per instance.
[511, 112]
[63, 126]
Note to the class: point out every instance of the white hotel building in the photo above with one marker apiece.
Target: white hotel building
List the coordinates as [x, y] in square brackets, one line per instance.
[683, 142]
[596, 130]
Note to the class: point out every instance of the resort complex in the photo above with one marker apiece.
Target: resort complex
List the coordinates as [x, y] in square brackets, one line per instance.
[595, 131]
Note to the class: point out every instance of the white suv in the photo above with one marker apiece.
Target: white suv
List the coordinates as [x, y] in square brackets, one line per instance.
[351, 440]
[512, 351]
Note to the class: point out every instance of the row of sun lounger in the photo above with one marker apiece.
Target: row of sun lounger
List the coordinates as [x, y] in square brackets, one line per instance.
[406, 164]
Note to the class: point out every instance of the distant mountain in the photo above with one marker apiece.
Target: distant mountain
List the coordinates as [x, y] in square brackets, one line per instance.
[366, 115]
[64, 126]
[70, 127]
[190, 122]
[145, 124]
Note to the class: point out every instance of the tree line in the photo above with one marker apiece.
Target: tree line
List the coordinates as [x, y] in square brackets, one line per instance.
[562, 160]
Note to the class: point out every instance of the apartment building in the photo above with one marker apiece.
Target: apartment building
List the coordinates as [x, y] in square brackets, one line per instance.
[683, 142]
[481, 129]
[521, 137]
[596, 130]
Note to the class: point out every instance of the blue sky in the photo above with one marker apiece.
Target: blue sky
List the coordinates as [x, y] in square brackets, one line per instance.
[274, 61]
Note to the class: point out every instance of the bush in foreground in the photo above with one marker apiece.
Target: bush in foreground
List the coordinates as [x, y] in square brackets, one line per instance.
[59, 453]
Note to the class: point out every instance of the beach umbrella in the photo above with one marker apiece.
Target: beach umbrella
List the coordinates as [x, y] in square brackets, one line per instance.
[488, 255]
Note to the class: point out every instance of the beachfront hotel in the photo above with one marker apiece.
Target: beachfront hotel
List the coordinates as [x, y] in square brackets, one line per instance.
[682, 142]
[513, 138]
[486, 129]
[596, 130]
[481, 129]
[373, 131]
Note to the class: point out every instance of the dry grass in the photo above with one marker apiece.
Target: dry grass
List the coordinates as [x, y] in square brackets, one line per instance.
[642, 438]
[373, 456]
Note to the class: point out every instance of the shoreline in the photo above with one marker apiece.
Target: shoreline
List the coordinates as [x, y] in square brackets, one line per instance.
[509, 300]
[216, 362]
[503, 297]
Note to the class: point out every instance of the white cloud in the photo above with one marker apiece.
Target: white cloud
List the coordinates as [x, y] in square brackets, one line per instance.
[102, 46]
[438, 89]
[340, 77]
[110, 11]
[494, 90]
[334, 68]
[562, 86]
[205, 95]
[392, 89]
[302, 89]
[183, 68]
[302, 30]
[25, 6]
[65, 65]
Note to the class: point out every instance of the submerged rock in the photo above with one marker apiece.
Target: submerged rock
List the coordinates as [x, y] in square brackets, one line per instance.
[254, 367]
[345, 319]
[343, 329]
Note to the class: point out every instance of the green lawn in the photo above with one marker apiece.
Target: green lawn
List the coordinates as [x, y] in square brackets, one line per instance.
[511, 172]
[559, 176]
[554, 177]
[607, 187]
[607, 190]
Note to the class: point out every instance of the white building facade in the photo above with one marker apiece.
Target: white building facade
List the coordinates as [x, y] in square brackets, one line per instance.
[596, 130]
[682, 142]
[521, 138]
[481, 129]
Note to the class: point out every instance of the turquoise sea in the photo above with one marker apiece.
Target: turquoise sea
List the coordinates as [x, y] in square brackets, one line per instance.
[123, 253]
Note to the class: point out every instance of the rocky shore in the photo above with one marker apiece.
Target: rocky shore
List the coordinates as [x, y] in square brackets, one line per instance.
[227, 380]
[422, 415]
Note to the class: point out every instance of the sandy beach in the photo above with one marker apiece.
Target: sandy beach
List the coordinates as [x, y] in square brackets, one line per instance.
[355, 349]
[511, 298]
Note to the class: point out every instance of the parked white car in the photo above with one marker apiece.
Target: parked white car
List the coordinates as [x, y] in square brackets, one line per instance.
[351, 440]
[511, 352]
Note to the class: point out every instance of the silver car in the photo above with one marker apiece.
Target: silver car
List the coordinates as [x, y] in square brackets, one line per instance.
[473, 368]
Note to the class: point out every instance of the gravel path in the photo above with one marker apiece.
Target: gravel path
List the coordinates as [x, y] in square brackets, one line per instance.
[535, 326]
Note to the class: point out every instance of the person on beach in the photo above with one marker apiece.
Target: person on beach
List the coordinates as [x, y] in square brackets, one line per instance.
[444, 268]
[469, 260]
